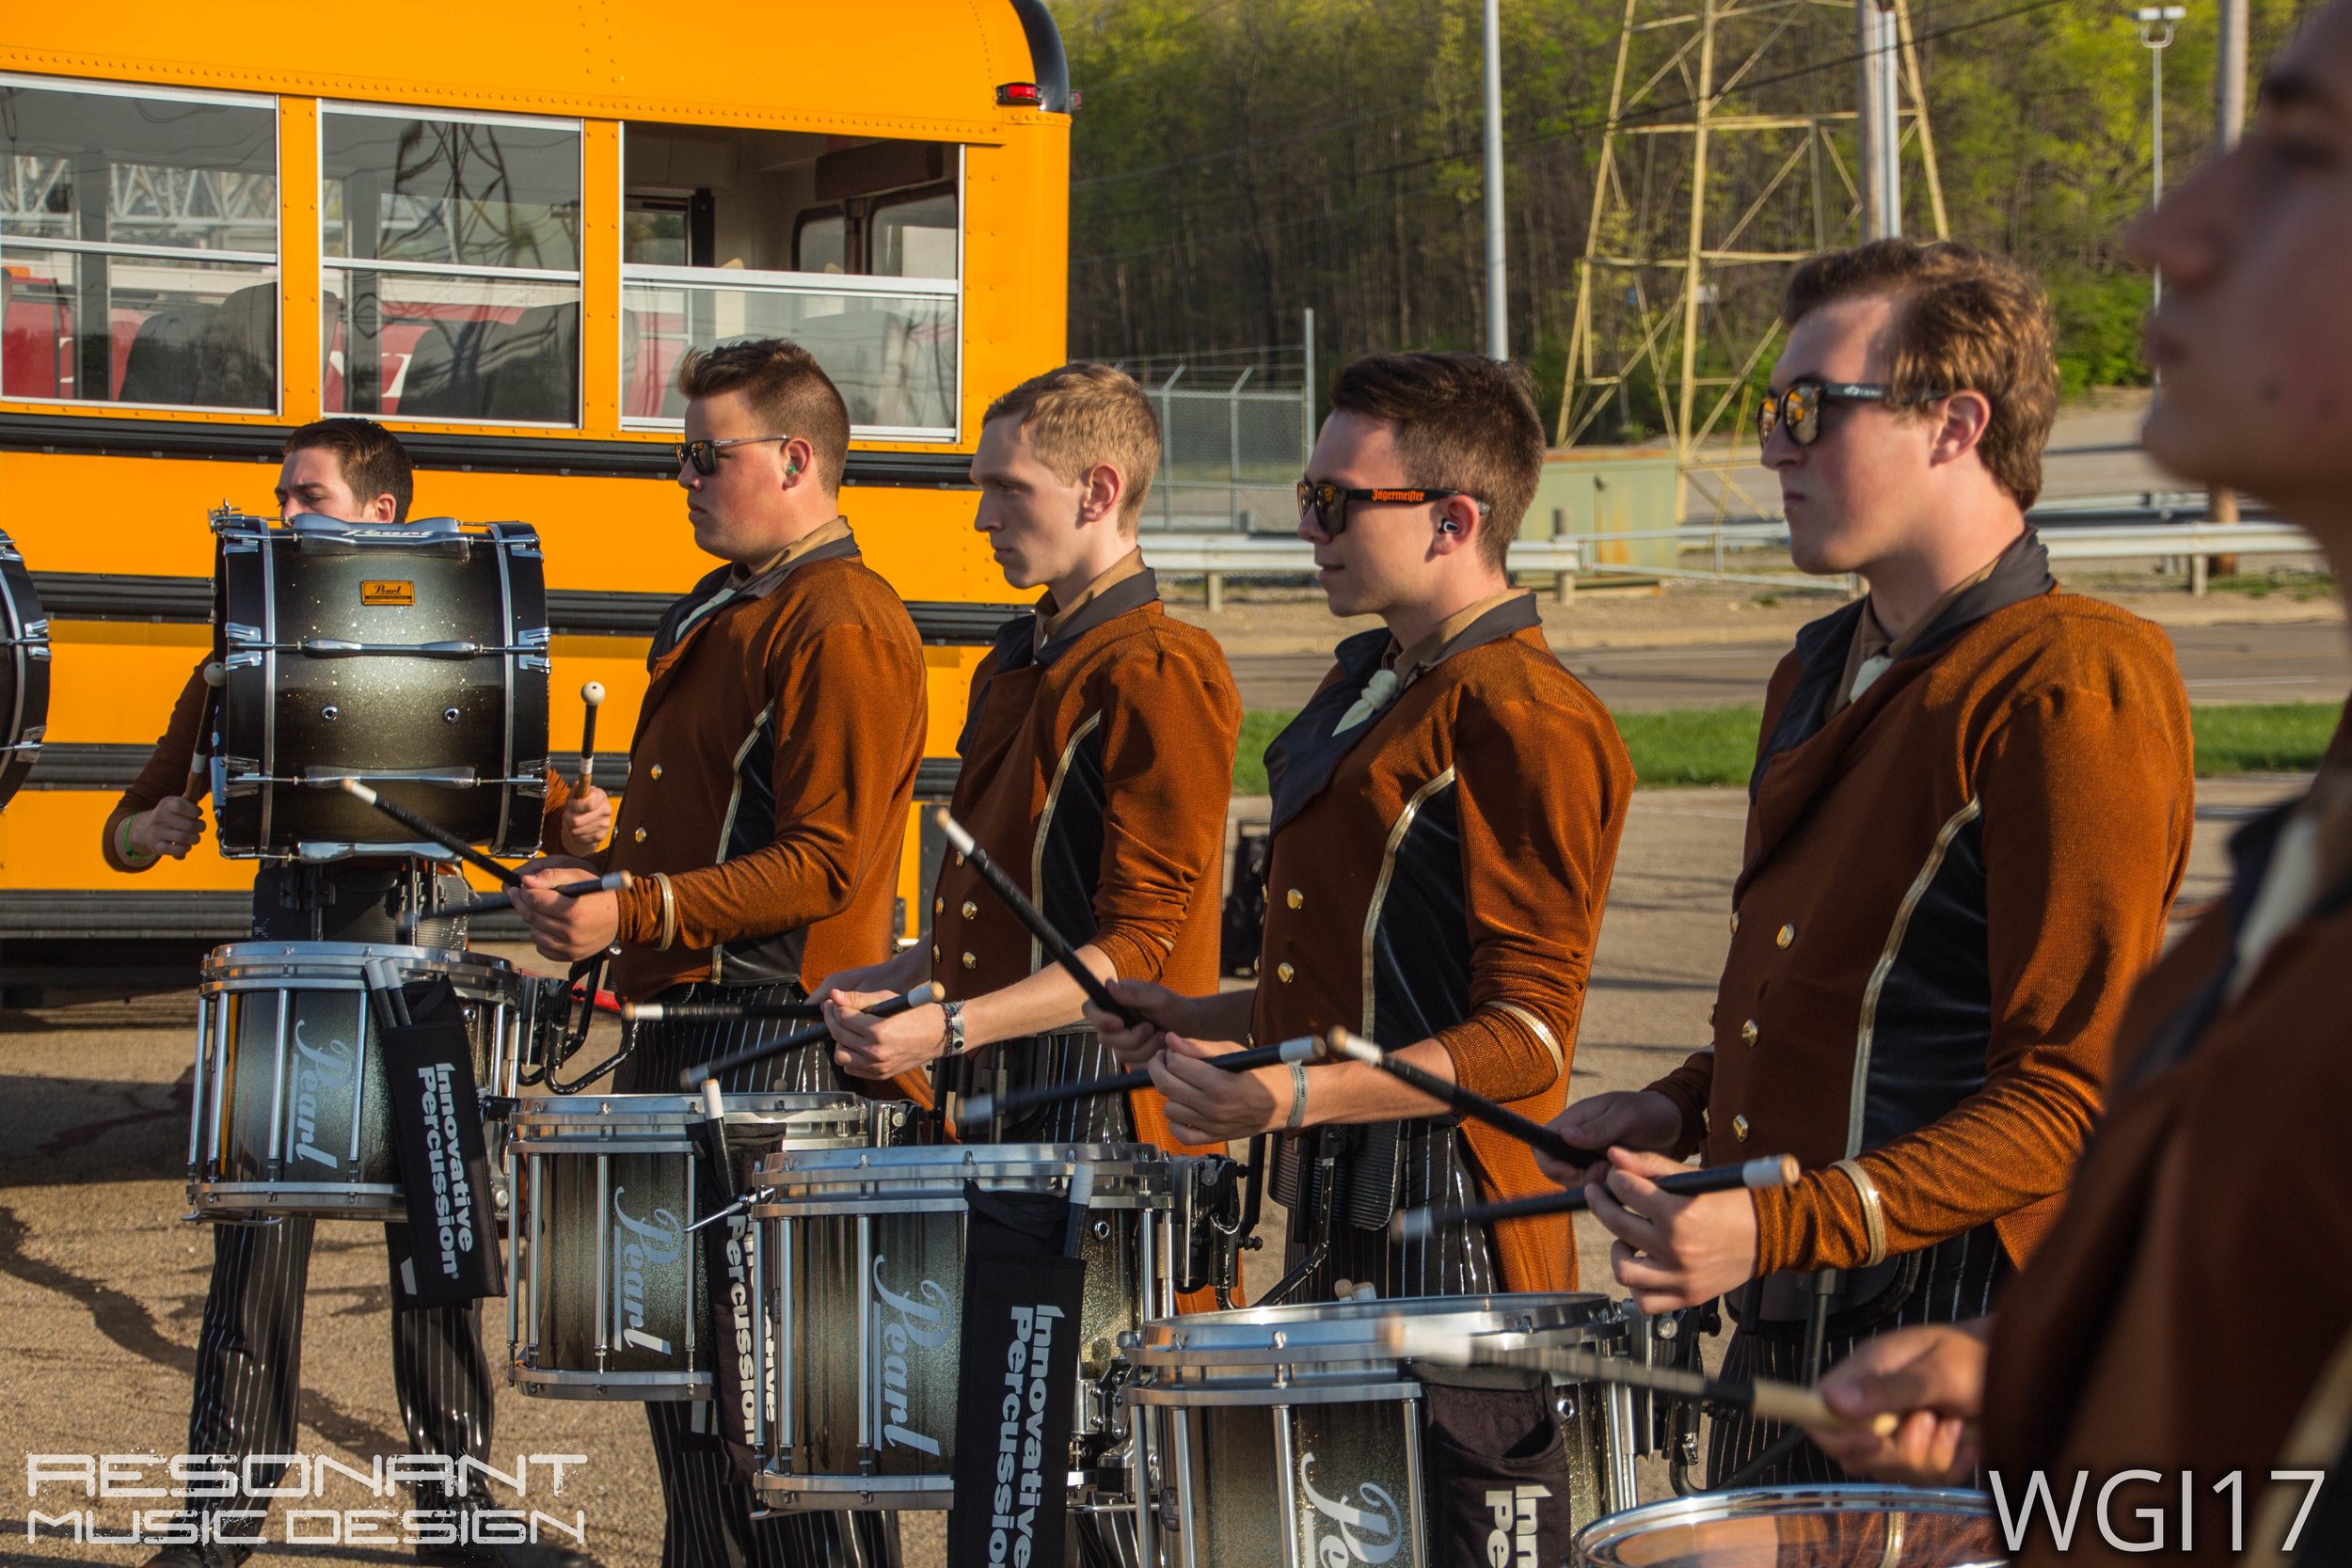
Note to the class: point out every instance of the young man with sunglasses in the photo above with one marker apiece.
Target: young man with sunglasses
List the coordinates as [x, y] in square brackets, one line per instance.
[1097, 760]
[1969, 812]
[770, 783]
[2218, 1163]
[1446, 813]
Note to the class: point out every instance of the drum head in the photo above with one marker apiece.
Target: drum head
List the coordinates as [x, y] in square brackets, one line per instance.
[1799, 1527]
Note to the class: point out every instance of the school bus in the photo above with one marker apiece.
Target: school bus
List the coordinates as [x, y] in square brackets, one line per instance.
[495, 229]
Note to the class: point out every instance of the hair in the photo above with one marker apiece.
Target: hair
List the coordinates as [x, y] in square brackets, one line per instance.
[372, 461]
[1967, 322]
[785, 386]
[1462, 422]
[1079, 415]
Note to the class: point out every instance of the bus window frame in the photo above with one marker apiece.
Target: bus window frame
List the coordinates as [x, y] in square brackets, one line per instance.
[271, 104]
[949, 436]
[331, 265]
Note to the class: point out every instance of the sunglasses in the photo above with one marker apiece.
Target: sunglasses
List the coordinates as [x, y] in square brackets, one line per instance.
[704, 456]
[1799, 408]
[1328, 502]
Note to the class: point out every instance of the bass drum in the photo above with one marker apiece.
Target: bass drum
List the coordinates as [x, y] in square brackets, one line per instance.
[413, 658]
[23, 670]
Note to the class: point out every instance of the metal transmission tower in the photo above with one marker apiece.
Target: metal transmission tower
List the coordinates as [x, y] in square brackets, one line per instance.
[1729, 154]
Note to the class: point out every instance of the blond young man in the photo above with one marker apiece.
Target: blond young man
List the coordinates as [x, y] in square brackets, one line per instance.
[1097, 758]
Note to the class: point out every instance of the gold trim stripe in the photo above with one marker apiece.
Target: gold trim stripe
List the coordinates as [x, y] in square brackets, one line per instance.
[1380, 889]
[1873, 1209]
[1046, 823]
[1919, 890]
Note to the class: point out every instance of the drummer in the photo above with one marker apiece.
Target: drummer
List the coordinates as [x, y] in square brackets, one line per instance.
[770, 779]
[2218, 1173]
[1097, 758]
[1446, 813]
[1970, 811]
[250, 1353]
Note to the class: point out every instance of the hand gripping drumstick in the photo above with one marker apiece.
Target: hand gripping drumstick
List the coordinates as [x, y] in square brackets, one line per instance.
[1029, 915]
[889, 1007]
[1792, 1403]
[612, 882]
[1774, 1170]
[442, 836]
[592, 694]
[1470, 1103]
[979, 1107]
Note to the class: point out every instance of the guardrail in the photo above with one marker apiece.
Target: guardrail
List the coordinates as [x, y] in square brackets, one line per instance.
[1216, 556]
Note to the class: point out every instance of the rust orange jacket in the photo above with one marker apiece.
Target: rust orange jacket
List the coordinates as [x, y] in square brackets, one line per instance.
[2200, 1276]
[166, 771]
[1439, 871]
[1948, 889]
[1096, 773]
[769, 778]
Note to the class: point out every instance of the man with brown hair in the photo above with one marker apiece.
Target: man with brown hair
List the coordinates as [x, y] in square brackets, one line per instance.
[770, 781]
[1098, 756]
[1446, 813]
[1970, 809]
[248, 1354]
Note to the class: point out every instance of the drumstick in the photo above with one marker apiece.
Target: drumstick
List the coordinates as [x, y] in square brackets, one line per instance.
[1795, 1403]
[612, 882]
[592, 694]
[717, 1012]
[215, 676]
[1470, 1103]
[439, 835]
[887, 1007]
[979, 1107]
[1029, 915]
[1774, 1170]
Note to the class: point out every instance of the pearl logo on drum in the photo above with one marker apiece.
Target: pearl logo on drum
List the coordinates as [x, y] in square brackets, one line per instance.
[921, 1324]
[1368, 1530]
[317, 1074]
[656, 1242]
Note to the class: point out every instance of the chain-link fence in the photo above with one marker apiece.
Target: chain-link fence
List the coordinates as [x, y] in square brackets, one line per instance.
[1236, 428]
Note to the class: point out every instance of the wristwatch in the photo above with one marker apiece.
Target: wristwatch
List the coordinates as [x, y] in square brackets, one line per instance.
[954, 1011]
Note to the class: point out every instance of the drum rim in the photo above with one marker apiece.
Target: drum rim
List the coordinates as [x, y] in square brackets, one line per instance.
[1243, 1336]
[821, 1164]
[350, 955]
[1765, 1502]
[600, 1120]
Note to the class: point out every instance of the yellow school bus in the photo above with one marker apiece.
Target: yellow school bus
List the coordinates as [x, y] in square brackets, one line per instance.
[494, 229]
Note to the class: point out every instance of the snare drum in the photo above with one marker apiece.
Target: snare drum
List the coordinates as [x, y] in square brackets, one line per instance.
[1799, 1527]
[1277, 1437]
[605, 1293]
[290, 1115]
[865, 1280]
[23, 670]
[413, 658]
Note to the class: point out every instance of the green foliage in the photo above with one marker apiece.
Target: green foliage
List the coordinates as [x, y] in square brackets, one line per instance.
[2262, 738]
[2099, 316]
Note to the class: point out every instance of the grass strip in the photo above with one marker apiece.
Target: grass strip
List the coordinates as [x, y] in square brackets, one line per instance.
[1717, 745]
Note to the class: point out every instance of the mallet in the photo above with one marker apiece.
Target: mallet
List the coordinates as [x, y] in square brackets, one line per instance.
[592, 694]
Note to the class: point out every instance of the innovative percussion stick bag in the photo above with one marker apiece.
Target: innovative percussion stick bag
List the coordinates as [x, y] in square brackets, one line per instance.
[736, 1379]
[1495, 1468]
[1018, 1383]
[444, 1166]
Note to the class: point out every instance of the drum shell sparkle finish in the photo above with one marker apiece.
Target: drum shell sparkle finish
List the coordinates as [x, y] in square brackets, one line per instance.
[24, 671]
[1799, 1527]
[866, 1283]
[1283, 1425]
[460, 738]
[605, 1297]
[290, 1114]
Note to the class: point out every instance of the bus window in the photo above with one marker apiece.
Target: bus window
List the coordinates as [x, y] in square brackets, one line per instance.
[848, 246]
[453, 282]
[138, 246]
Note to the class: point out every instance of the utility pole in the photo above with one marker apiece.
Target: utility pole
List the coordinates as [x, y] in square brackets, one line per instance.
[2229, 124]
[1498, 291]
[2156, 24]
[1878, 130]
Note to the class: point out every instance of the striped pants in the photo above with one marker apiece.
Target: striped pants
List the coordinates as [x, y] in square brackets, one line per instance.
[248, 1354]
[713, 1519]
[1064, 1056]
[1958, 1279]
[1457, 1260]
